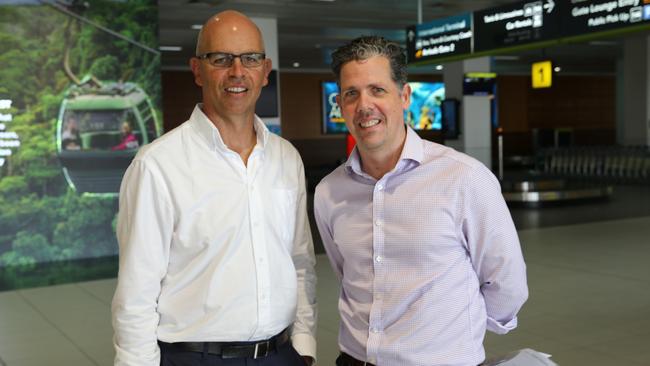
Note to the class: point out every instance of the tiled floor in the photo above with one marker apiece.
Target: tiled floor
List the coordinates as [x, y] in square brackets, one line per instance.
[589, 305]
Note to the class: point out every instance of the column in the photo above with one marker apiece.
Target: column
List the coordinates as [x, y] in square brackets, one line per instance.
[475, 137]
[633, 122]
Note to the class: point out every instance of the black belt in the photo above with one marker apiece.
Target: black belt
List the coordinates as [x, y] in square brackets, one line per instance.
[255, 349]
[351, 361]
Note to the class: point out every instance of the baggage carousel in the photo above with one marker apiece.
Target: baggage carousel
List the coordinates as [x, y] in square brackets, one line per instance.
[545, 191]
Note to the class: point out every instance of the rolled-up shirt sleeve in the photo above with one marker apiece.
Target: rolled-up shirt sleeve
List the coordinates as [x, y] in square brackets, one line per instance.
[493, 245]
[144, 231]
[303, 334]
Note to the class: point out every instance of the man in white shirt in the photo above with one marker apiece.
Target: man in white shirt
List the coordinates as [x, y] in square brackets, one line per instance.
[216, 256]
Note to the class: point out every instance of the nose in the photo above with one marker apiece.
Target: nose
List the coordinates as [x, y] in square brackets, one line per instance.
[236, 69]
[364, 103]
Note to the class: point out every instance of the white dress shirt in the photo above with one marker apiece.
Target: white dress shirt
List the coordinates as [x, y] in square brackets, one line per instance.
[428, 257]
[212, 249]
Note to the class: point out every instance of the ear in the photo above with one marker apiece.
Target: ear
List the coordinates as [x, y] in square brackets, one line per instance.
[268, 66]
[406, 96]
[195, 65]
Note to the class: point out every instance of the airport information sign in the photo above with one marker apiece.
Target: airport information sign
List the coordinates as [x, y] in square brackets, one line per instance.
[588, 16]
[440, 38]
[522, 23]
[516, 24]
[542, 74]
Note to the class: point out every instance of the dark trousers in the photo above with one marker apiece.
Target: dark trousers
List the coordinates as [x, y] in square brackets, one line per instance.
[286, 355]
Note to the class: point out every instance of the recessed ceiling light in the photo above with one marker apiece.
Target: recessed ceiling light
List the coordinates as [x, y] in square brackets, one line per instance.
[296, 64]
[439, 67]
[170, 48]
[557, 69]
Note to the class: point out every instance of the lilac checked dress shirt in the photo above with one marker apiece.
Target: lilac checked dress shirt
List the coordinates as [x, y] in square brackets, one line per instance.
[428, 257]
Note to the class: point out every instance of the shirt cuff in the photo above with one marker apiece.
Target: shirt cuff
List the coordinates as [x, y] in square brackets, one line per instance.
[305, 344]
[495, 326]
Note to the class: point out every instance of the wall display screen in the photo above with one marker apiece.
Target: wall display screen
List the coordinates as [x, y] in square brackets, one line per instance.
[333, 121]
[424, 112]
[516, 24]
[70, 126]
[450, 118]
[440, 38]
[267, 104]
[587, 16]
[479, 83]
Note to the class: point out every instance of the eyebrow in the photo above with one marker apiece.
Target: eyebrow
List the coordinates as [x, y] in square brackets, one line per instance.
[348, 89]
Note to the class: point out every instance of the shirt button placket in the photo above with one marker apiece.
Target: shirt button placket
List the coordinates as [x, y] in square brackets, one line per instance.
[379, 233]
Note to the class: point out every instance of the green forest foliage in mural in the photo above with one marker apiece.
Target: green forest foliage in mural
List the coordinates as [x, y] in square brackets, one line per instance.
[41, 218]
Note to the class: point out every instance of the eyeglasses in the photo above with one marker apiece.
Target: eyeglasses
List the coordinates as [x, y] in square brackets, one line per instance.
[225, 60]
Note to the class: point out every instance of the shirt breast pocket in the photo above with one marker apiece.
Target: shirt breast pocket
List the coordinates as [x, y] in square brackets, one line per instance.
[283, 212]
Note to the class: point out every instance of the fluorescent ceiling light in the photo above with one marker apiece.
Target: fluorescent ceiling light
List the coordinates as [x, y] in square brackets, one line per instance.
[170, 48]
[197, 26]
[603, 43]
[506, 58]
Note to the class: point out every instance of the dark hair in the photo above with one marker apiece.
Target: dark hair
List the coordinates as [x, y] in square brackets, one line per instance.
[365, 47]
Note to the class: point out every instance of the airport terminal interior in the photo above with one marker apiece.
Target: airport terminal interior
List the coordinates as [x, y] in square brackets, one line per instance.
[572, 157]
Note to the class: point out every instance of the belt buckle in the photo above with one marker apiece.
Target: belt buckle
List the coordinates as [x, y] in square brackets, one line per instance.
[266, 347]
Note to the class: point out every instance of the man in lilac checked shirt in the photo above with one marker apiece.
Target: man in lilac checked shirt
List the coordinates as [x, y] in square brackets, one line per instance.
[418, 233]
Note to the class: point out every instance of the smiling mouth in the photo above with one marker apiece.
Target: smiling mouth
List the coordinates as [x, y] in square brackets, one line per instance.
[369, 123]
[236, 90]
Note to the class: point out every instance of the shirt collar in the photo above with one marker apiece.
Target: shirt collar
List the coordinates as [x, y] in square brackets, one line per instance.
[411, 155]
[209, 133]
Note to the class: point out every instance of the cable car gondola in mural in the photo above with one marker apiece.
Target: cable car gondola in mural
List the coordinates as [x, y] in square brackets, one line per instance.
[99, 130]
[101, 124]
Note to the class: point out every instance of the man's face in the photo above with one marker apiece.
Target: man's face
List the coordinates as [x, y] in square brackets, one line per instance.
[234, 90]
[373, 105]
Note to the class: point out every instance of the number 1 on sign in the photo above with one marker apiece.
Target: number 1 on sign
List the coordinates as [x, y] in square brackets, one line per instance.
[541, 74]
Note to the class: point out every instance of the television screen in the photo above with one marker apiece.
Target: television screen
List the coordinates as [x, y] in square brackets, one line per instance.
[424, 113]
[267, 104]
[450, 120]
[333, 121]
[479, 83]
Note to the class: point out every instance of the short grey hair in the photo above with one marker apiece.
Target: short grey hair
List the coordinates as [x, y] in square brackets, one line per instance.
[365, 47]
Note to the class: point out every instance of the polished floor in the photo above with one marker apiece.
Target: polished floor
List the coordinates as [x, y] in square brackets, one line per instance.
[589, 302]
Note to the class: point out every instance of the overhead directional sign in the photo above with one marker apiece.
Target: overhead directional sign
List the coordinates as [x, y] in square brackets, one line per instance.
[440, 38]
[523, 24]
[516, 24]
[587, 16]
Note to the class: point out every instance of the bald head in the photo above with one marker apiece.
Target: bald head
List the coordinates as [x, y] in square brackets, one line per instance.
[231, 25]
[230, 89]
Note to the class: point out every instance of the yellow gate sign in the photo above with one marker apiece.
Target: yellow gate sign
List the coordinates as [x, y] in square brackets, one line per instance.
[542, 73]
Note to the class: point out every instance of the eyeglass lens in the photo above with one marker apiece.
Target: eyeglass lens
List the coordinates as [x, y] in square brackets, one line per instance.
[221, 59]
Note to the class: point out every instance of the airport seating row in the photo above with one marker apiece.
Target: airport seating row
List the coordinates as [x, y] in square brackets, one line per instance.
[616, 164]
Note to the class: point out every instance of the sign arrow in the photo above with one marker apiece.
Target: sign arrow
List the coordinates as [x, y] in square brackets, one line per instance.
[549, 6]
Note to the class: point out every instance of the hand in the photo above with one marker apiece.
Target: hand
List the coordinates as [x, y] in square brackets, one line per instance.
[308, 360]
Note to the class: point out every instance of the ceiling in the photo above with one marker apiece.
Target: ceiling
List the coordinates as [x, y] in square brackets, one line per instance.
[309, 30]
